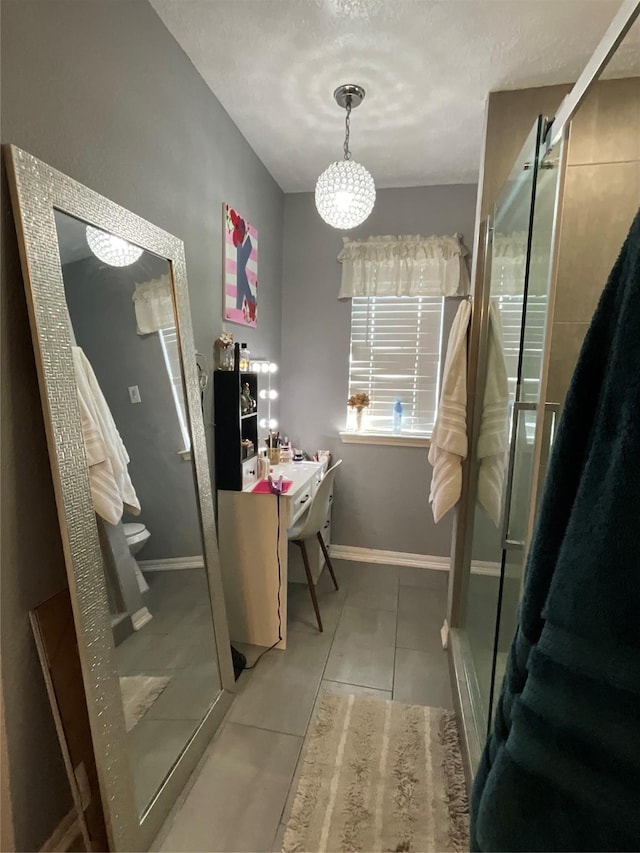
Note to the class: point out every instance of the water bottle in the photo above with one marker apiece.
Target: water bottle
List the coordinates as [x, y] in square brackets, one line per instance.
[397, 417]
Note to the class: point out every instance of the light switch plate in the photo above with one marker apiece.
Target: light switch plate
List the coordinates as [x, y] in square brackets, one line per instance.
[134, 394]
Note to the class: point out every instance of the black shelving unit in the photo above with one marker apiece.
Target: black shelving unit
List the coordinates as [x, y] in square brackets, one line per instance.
[231, 426]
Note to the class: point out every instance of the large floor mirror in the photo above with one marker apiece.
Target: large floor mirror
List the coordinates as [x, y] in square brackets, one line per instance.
[121, 395]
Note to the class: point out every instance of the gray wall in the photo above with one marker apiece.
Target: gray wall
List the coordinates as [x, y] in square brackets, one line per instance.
[382, 491]
[101, 91]
[103, 317]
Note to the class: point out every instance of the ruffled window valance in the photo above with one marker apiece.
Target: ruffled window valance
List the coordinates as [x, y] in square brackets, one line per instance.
[509, 264]
[153, 303]
[407, 265]
[508, 261]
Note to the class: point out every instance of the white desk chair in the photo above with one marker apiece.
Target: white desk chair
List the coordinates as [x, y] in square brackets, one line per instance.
[309, 526]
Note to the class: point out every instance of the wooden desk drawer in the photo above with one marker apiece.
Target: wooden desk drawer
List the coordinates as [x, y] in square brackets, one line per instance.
[249, 471]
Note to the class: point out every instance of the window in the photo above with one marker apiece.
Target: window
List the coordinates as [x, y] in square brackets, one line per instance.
[395, 355]
[171, 352]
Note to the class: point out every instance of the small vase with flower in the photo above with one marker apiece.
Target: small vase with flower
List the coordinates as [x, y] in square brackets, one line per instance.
[223, 351]
[359, 402]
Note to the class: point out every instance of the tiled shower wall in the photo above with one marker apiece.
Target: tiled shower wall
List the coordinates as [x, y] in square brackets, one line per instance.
[602, 193]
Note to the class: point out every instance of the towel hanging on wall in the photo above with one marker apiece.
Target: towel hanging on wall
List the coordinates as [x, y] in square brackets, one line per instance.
[449, 437]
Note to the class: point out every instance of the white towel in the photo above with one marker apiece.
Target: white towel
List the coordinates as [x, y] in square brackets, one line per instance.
[449, 438]
[111, 486]
[493, 441]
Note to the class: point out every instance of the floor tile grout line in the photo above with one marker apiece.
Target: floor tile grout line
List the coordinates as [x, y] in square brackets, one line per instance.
[355, 684]
[265, 729]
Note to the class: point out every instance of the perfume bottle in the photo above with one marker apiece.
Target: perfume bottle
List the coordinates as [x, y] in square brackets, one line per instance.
[244, 358]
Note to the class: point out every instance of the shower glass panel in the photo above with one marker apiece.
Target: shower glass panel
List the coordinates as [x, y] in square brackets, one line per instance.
[507, 280]
[529, 419]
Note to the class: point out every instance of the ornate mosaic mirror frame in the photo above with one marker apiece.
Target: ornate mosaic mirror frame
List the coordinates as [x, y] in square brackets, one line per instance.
[36, 190]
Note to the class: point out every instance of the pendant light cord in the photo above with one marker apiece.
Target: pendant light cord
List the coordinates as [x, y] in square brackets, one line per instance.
[347, 129]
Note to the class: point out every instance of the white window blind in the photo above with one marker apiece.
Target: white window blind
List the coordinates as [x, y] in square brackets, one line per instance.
[395, 355]
[510, 308]
[171, 352]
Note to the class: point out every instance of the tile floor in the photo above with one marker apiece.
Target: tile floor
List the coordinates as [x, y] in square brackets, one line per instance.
[177, 642]
[382, 636]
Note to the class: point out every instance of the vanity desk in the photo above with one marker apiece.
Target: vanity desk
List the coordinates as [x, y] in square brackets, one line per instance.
[251, 538]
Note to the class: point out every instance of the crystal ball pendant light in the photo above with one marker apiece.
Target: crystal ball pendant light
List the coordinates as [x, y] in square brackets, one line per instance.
[345, 191]
[110, 249]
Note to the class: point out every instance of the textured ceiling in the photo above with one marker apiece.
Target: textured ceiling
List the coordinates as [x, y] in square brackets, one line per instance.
[427, 66]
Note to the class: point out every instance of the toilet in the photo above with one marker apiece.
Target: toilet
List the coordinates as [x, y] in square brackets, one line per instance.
[137, 536]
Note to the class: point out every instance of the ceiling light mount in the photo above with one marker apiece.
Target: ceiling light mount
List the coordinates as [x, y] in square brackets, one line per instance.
[349, 96]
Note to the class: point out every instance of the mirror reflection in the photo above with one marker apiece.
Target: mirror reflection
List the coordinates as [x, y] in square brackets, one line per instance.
[135, 427]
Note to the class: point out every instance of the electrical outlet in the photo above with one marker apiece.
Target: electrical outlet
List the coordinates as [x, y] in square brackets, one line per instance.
[134, 394]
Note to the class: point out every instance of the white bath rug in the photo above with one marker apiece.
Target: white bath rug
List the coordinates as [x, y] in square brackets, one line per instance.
[380, 775]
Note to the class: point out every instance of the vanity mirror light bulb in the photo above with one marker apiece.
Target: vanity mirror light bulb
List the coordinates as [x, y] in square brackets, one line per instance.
[263, 394]
[273, 368]
[254, 367]
[273, 423]
[273, 394]
[265, 367]
[263, 423]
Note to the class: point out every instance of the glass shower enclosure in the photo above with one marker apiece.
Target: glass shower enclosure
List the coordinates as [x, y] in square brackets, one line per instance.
[508, 423]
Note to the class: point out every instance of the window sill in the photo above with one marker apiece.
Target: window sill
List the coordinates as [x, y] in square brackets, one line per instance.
[385, 438]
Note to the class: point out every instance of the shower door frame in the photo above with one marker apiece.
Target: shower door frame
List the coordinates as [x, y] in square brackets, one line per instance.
[475, 722]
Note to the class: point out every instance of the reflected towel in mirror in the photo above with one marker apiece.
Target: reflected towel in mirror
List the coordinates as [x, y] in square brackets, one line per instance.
[111, 487]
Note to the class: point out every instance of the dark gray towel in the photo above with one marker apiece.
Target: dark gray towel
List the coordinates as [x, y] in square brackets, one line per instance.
[561, 770]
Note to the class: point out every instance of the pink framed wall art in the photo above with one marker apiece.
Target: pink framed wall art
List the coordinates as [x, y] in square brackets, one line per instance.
[240, 292]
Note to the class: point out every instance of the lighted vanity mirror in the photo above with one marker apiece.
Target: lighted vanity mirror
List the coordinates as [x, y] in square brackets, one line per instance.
[112, 334]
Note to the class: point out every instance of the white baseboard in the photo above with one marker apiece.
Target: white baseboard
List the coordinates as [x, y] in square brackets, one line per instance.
[483, 567]
[402, 558]
[63, 835]
[171, 564]
[389, 558]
